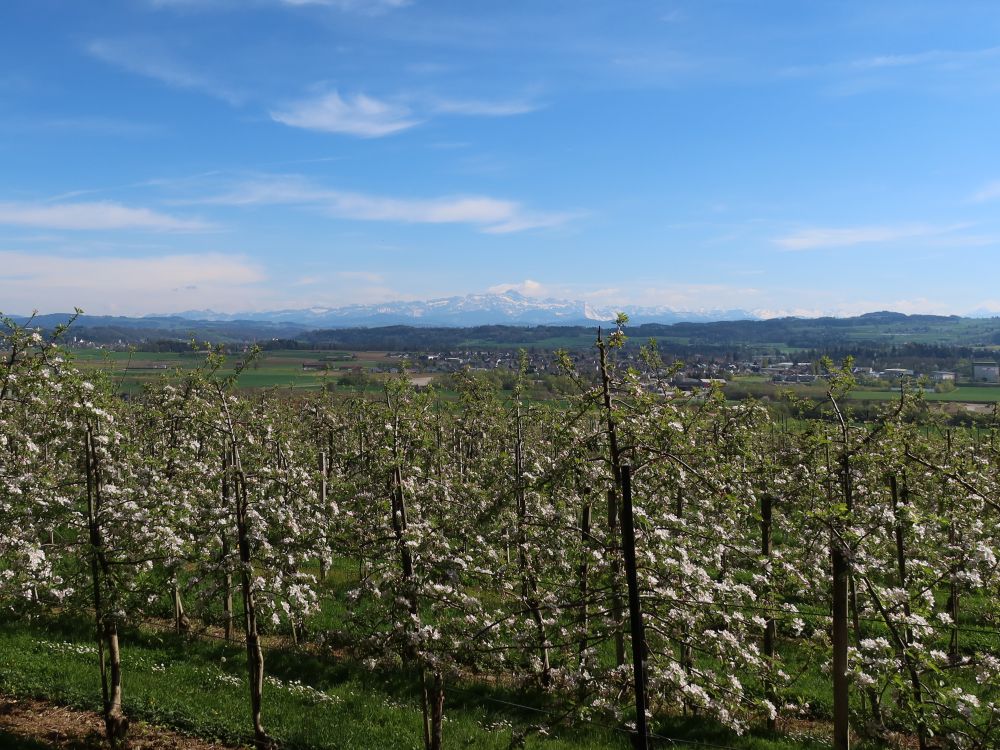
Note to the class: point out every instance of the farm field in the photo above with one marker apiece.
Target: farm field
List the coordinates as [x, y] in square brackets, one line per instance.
[964, 394]
[291, 369]
[759, 387]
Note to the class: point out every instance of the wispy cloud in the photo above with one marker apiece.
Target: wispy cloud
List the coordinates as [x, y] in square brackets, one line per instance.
[365, 6]
[943, 59]
[371, 7]
[98, 215]
[488, 214]
[128, 285]
[146, 57]
[989, 192]
[483, 108]
[936, 61]
[359, 115]
[826, 237]
[369, 117]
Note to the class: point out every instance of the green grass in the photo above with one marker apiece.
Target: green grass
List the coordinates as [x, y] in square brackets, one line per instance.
[198, 687]
[962, 394]
[760, 386]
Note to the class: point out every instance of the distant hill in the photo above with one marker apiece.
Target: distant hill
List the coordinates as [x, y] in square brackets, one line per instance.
[107, 329]
[872, 332]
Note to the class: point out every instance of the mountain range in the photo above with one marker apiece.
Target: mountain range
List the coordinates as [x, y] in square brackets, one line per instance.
[510, 307]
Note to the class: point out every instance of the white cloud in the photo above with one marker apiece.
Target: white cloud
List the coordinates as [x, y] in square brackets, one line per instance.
[490, 215]
[127, 285]
[943, 59]
[939, 71]
[826, 237]
[98, 215]
[527, 287]
[359, 115]
[715, 297]
[988, 192]
[483, 108]
[457, 210]
[370, 6]
[368, 117]
[520, 220]
[145, 57]
[680, 296]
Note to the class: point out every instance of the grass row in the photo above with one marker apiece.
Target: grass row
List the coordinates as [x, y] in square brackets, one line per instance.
[312, 701]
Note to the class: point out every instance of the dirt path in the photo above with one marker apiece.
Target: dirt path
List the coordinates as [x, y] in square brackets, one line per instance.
[54, 726]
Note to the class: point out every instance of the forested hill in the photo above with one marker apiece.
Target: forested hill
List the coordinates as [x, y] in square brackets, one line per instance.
[872, 331]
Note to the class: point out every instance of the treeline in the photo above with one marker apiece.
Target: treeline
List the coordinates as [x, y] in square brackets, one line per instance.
[874, 334]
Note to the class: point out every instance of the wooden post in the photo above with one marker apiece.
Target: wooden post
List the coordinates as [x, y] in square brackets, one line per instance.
[953, 592]
[635, 612]
[841, 706]
[900, 552]
[770, 628]
[613, 509]
[584, 583]
[322, 500]
[686, 652]
[227, 577]
[529, 583]
[840, 612]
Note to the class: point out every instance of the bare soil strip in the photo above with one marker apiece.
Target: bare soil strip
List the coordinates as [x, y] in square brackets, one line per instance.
[71, 729]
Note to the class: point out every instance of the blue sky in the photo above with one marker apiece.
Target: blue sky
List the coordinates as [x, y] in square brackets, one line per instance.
[783, 157]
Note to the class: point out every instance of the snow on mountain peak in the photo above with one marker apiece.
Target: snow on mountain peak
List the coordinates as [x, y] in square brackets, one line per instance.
[509, 307]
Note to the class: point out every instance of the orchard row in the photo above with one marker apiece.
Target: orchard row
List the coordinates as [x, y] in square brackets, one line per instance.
[486, 539]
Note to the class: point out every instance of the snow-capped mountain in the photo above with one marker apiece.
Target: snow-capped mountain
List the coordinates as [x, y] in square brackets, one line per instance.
[510, 307]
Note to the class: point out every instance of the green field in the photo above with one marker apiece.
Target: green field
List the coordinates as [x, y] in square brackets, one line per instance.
[760, 386]
[963, 394]
[293, 369]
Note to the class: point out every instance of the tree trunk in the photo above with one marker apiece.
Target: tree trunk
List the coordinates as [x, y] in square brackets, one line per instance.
[405, 556]
[847, 486]
[641, 738]
[115, 721]
[255, 654]
[435, 701]
[615, 456]
[529, 584]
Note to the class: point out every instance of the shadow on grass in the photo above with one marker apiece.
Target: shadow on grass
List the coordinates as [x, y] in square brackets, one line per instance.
[13, 742]
[328, 671]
